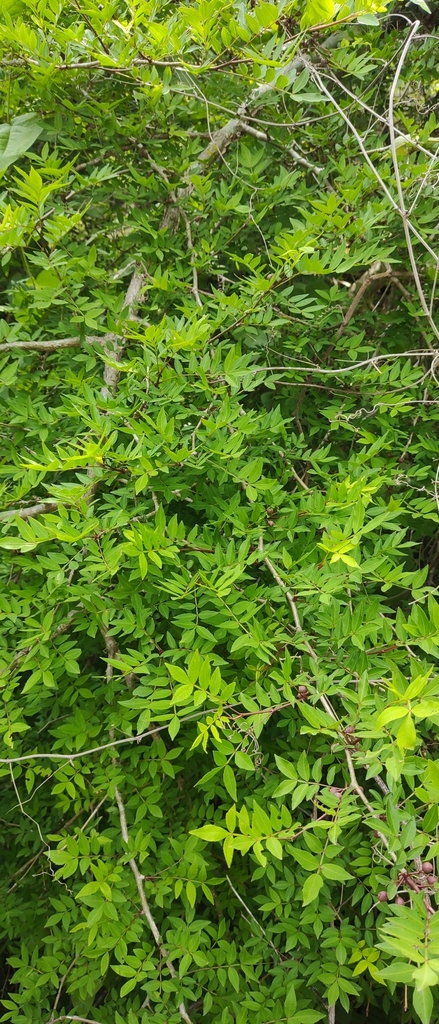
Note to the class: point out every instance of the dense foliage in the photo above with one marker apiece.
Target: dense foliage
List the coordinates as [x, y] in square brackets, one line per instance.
[219, 526]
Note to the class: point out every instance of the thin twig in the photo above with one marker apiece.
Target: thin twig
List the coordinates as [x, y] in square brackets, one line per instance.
[144, 902]
[24, 813]
[61, 986]
[195, 291]
[408, 228]
[69, 1016]
[62, 628]
[50, 756]
[409, 354]
[318, 79]
[248, 911]
[289, 151]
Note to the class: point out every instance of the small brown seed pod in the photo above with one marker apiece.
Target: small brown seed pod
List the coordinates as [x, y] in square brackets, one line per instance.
[432, 879]
[382, 896]
[400, 902]
[350, 729]
[428, 867]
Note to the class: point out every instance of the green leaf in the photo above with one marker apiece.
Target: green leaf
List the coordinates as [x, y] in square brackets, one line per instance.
[275, 847]
[191, 893]
[391, 714]
[210, 833]
[311, 889]
[178, 674]
[244, 761]
[290, 1001]
[406, 735]
[423, 1004]
[230, 782]
[335, 872]
[286, 767]
[305, 859]
[426, 709]
[18, 137]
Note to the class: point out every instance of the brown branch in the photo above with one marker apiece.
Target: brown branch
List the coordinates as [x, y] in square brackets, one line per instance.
[359, 288]
[108, 340]
[114, 652]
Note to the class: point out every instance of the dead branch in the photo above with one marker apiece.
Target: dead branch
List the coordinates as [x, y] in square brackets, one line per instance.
[43, 346]
[407, 226]
[395, 206]
[220, 140]
[288, 151]
[113, 349]
[30, 511]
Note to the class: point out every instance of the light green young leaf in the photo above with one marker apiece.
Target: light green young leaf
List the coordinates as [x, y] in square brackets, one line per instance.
[311, 889]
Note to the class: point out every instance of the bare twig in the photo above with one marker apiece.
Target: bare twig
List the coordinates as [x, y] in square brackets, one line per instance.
[62, 628]
[408, 228]
[318, 79]
[191, 250]
[24, 813]
[144, 902]
[286, 151]
[61, 986]
[248, 911]
[220, 140]
[26, 867]
[299, 479]
[69, 1016]
[372, 361]
[112, 347]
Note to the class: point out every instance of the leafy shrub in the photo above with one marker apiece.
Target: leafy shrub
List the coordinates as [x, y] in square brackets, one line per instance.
[219, 531]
